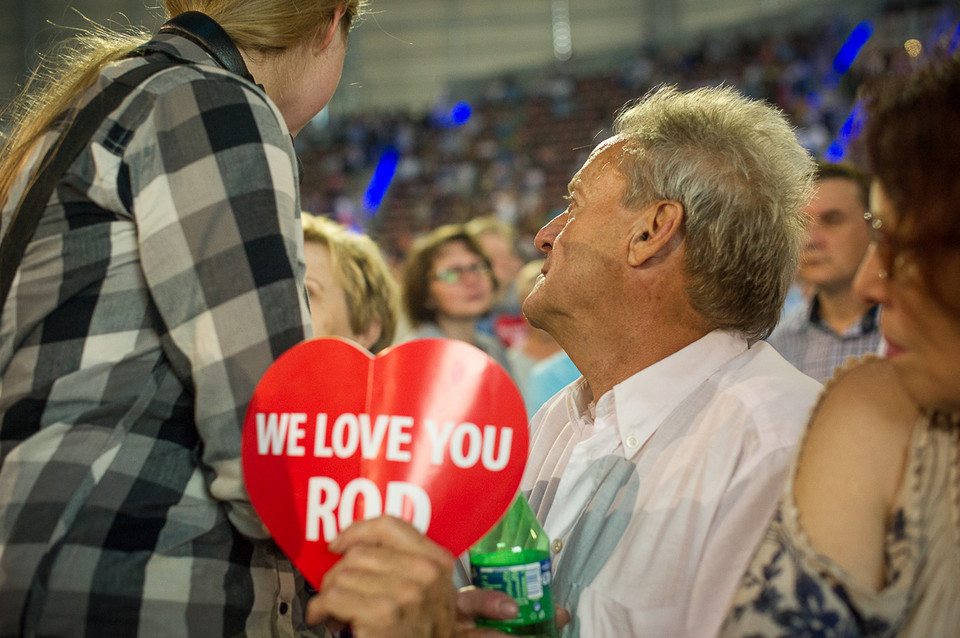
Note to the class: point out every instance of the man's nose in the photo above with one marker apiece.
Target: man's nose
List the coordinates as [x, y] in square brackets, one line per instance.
[548, 234]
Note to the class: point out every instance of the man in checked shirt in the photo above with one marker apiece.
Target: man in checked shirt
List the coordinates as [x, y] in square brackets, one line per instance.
[835, 323]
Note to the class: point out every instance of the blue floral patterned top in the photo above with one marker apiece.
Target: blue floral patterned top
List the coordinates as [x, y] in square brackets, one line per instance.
[789, 590]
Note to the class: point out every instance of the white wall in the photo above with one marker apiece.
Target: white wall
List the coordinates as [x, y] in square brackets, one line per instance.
[413, 51]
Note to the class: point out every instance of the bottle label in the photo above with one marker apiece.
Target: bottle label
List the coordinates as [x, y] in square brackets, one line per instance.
[527, 583]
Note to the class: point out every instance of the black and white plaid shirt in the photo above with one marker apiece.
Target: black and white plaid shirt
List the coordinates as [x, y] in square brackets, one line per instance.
[165, 276]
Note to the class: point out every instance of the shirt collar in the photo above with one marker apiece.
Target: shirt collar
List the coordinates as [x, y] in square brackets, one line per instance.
[185, 50]
[868, 323]
[640, 404]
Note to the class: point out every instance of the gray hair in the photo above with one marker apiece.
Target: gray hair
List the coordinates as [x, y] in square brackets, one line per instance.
[743, 179]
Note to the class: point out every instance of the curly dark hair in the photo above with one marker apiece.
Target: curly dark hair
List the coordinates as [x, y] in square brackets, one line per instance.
[913, 147]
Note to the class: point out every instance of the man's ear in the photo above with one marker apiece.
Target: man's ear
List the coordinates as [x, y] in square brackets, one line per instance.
[325, 35]
[656, 234]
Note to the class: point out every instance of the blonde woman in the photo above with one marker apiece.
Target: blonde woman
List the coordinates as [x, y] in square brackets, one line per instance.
[352, 292]
[163, 276]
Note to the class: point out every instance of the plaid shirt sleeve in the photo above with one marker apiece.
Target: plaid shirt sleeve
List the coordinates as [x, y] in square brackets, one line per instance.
[216, 204]
[164, 278]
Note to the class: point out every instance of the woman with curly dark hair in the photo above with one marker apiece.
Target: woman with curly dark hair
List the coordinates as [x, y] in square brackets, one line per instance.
[865, 540]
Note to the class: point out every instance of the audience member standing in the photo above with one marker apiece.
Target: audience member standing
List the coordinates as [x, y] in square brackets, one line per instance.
[496, 238]
[835, 323]
[352, 292]
[163, 277]
[548, 377]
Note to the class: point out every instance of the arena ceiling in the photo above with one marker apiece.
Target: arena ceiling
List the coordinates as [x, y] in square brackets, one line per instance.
[406, 53]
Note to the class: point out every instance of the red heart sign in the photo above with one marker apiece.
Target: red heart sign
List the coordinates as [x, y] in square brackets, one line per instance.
[433, 431]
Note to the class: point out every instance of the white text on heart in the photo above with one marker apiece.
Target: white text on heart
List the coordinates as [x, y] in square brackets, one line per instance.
[285, 433]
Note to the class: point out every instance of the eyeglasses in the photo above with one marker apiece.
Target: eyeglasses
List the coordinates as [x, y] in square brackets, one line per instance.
[890, 249]
[456, 273]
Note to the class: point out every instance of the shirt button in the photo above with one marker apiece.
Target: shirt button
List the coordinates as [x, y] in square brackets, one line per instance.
[283, 608]
[557, 545]
[632, 442]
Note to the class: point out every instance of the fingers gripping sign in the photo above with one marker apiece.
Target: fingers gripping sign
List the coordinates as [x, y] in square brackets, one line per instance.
[391, 581]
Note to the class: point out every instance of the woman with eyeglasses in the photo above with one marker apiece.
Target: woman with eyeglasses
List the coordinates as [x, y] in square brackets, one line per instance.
[448, 285]
[866, 539]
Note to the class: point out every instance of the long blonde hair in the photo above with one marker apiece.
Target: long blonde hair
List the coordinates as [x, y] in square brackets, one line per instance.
[266, 26]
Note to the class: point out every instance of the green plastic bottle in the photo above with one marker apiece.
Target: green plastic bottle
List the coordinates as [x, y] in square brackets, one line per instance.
[514, 557]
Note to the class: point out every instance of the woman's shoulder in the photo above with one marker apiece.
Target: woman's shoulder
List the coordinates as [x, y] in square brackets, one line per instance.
[862, 423]
[851, 465]
[865, 396]
[184, 92]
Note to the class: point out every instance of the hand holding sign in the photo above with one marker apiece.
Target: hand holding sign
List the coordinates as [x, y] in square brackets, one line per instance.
[433, 431]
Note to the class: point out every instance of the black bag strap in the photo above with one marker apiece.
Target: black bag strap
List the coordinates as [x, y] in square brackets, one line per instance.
[204, 31]
[56, 162]
[193, 25]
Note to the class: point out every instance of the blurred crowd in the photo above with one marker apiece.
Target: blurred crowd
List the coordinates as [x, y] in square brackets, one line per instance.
[525, 136]
[503, 162]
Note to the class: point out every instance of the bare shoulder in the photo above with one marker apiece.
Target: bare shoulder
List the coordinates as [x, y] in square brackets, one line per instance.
[861, 426]
[865, 398]
[851, 465]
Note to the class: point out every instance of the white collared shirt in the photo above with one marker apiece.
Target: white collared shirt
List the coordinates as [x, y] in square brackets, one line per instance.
[656, 496]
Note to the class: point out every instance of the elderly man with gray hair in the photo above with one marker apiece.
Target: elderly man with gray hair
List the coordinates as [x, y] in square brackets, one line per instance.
[656, 472]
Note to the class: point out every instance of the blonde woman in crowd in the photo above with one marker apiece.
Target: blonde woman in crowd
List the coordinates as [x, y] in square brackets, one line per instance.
[352, 292]
[497, 239]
